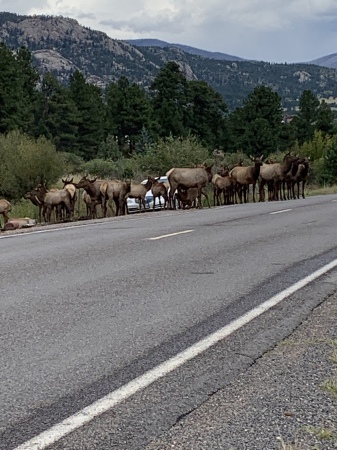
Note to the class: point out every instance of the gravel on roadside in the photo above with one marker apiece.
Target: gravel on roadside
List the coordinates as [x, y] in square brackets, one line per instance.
[286, 400]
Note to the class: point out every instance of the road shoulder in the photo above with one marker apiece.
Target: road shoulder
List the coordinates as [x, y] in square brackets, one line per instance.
[286, 399]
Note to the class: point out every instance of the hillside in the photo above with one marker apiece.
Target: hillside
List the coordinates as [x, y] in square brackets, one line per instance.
[326, 61]
[185, 48]
[61, 45]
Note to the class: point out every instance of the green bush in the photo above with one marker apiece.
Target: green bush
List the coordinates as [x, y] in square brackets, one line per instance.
[24, 162]
[166, 154]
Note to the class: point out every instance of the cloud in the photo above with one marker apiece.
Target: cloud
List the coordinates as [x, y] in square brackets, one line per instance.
[288, 30]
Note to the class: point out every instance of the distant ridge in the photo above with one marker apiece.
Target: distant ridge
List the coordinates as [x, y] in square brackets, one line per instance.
[186, 48]
[326, 61]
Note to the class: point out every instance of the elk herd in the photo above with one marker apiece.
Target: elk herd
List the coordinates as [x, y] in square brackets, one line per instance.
[184, 189]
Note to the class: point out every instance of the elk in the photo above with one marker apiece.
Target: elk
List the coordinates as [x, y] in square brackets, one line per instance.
[69, 186]
[115, 190]
[87, 201]
[223, 184]
[289, 181]
[159, 190]
[139, 190]
[302, 176]
[92, 187]
[195, 177]
[244, 176]
[188, 197]
[275, 173]
[50, 199]
[5, 208]
[37, 199]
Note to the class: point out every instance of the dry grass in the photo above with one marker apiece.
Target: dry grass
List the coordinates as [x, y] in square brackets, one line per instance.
[319, 190]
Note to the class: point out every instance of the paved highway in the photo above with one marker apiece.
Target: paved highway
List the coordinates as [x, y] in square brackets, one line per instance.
[86, 309]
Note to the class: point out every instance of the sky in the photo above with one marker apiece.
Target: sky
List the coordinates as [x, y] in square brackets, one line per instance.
[264, 30]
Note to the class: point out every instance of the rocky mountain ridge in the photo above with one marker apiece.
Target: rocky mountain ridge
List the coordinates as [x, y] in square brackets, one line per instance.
[61, 45]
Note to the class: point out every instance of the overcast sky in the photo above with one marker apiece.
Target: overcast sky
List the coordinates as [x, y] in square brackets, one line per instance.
[264, 30]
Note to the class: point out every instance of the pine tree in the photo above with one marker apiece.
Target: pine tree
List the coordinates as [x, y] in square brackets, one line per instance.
[206, 113]
[256, 128]
[58, 115]
[92, 115]
[170, 100]
[305, 121]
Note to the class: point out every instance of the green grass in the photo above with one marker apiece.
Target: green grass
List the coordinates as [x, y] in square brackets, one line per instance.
[24, 208]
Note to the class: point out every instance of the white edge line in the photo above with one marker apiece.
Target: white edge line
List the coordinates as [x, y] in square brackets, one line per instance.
[282, 211]
[82, 417]
[168, 235]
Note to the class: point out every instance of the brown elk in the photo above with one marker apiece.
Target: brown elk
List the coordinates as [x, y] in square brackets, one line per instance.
[159, 190]
[5, 208]
[188, 198]
[138, 191]
[195, 177]
[87, 201]
[54, 198]
[289, 181]
[275, 173]
[71, 188]
[302, 176]
[244, 176]
[37, 199]
[223, 184]
[115, 190]
[92, 187]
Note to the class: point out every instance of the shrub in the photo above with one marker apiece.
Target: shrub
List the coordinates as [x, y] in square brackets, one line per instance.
[24, 162]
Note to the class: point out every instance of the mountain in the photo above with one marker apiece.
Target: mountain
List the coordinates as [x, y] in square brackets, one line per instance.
[184, 48]
[326, 61]
[61, 45]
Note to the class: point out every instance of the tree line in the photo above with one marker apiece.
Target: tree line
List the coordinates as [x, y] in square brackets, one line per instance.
[88, 125]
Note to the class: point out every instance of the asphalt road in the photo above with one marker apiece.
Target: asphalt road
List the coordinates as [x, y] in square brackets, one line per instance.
[85, 309]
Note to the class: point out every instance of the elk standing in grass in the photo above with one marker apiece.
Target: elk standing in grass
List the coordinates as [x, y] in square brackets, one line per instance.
[54, 198]
[37, 199]
[5, 208]
[195, 177]
[92, 187]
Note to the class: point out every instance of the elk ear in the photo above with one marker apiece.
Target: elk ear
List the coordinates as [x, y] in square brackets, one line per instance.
[71, 180]
[63, 181]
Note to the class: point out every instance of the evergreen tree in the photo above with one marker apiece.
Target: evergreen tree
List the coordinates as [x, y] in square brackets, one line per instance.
[170, 100]
[325, 119]
[128, 112]
[206, 113]
[256, 127]
[330, 162]
[92, 115]
[57, 115]
[29, 78]
[305, 121]
[10, 92]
